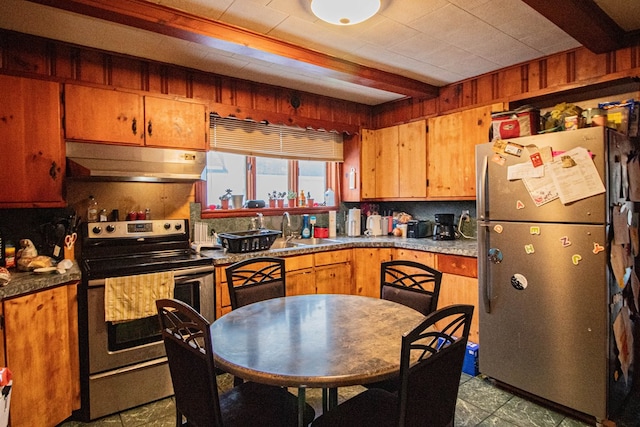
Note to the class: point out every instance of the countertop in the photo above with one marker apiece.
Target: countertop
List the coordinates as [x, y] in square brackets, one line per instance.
[462, 247]
[23, 283]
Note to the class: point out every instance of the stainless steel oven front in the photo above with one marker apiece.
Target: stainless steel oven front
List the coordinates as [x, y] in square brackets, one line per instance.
[126, 360]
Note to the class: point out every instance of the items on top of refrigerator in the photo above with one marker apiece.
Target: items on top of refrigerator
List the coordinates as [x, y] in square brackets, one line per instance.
[622, 116]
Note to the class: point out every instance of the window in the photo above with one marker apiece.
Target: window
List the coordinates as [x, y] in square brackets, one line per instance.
[257, 177]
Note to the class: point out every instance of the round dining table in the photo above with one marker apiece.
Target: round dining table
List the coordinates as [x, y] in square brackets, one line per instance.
[313, 341]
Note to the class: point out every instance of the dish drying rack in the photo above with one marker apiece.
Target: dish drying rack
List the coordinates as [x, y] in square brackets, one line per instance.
[202, 238]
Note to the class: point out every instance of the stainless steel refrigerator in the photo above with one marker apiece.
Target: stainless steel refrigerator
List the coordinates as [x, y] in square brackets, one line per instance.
[547, 296]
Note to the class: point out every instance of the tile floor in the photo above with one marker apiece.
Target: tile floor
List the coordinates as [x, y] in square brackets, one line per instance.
[480, 403]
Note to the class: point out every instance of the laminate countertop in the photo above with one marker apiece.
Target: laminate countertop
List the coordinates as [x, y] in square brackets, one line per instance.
[23, 283]
[461, 247]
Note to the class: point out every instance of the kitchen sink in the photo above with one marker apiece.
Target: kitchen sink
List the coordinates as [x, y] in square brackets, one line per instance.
[281, 243]
[315, 241]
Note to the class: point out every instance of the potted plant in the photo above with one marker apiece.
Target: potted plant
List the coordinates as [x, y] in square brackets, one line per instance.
[292, 196]
[280, 199]
[272, 198]
[224, 199]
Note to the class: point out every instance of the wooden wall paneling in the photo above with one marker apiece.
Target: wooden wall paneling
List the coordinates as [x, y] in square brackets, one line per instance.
[26, 54]
[589, 65]
[126, 73]
[243, 94]
[265, 98]
[155, 78]
[205, 87]
[554, 72]
[485, 88]
[510, 82]
[92, 67]
[450, 97]
[338, 110]
[63, 61]
[469, 92]
[624, 59]
[177, 82]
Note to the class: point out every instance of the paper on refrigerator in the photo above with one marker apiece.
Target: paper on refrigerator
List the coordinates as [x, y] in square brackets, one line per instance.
[575, 176]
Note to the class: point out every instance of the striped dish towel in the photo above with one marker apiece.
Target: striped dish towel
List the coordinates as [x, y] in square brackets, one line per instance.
[134, 297]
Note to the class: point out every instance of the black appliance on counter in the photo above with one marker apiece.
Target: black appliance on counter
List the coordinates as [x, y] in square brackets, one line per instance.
[123, 364]
[419, 229]
[444, 228]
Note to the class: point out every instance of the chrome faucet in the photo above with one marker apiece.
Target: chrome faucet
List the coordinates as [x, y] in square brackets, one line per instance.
[285, 224]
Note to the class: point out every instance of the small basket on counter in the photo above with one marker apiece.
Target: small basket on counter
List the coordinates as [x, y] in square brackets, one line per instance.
[248, 241]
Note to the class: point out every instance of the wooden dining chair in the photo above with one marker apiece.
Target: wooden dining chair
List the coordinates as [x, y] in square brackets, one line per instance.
[255, 279]
[187, 340]
[431, 361]
[410, 283]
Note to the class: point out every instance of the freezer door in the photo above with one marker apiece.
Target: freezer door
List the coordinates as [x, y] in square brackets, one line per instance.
[499, 198]
[543, 311]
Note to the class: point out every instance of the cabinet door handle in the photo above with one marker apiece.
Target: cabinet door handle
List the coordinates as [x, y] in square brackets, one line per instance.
[53, 170]
[149, 128]
[134, 126]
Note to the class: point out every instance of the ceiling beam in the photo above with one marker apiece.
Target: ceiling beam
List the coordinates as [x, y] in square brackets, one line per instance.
[175, 23]
[585, 21]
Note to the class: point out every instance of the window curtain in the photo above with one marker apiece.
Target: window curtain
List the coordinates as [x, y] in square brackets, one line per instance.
[267, 140]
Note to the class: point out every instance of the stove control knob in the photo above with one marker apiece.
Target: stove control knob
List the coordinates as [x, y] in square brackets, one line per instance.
[167, 226]
[178, 226]
[97, 229]
[111, 228]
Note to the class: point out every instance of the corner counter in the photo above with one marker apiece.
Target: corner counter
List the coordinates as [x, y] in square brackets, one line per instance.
[461, 247]
[25, 282]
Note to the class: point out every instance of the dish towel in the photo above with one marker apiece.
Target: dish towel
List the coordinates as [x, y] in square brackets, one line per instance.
[134, 297]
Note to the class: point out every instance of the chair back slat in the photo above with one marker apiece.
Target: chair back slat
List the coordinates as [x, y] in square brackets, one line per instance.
[410, 283]
[255, 279]
[431, 365]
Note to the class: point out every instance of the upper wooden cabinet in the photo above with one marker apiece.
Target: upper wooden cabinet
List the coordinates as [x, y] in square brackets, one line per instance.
[451, 146]
[31, 144]
[394, 162]
[113, 116]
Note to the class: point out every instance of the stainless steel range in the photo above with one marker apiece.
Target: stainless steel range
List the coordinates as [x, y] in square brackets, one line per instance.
[123, 364]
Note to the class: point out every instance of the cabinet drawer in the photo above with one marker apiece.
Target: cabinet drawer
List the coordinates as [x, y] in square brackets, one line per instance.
[298, 262]
[332, 257]
[459, 265]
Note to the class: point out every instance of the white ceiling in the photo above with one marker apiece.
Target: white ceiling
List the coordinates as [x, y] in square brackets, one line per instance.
[432, 41]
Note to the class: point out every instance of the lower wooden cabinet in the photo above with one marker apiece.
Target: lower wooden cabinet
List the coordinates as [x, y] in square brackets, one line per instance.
[366, 270]
[41, 335]
[300, 275]
[333, 272]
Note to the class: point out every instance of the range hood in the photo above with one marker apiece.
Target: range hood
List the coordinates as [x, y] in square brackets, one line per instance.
[105, 162]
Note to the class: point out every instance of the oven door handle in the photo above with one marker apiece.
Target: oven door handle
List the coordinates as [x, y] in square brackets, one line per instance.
[180, 276]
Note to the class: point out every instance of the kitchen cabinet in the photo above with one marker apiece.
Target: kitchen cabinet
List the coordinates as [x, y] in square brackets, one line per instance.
[120, 117]
[451, 146]
[460, 286]
[41, 335]
[333, 272]
[394, 162]
[366, 270]
[223, 300]
[426, 258]
[33, 159]
[300, 275]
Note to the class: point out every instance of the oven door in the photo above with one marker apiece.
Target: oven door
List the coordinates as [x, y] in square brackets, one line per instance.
[116, 345]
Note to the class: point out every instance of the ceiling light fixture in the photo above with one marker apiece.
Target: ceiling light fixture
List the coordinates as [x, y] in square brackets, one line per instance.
[345, 12]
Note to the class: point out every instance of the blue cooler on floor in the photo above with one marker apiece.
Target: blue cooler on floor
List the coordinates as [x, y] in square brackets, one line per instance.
[470, 364]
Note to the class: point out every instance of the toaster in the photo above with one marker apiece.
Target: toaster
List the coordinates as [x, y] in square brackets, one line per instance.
[419, 228]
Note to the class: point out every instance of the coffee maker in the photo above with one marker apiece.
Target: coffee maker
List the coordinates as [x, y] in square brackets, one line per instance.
[444, 228]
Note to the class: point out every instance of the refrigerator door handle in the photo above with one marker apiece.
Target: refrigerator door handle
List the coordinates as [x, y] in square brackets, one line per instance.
[483, 242]
[482, 189]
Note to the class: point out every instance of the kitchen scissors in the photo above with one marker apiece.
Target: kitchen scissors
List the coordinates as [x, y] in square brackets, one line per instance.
[70, 240]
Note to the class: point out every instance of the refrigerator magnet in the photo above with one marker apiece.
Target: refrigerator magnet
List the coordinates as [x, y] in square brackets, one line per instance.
[575, 259]
[534, 230]
[519, 282]
[529, 249]
[519, 205]
[565, 241]
[498, 228]
[597, 248]
[497, 158]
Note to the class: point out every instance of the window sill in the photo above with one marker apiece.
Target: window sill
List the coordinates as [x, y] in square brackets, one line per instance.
[244, 212]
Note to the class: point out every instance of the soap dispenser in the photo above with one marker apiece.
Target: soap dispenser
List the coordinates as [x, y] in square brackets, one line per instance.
[306, 228]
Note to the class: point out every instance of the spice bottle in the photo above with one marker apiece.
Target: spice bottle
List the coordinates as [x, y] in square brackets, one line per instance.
[92, 210]
[302, 201]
